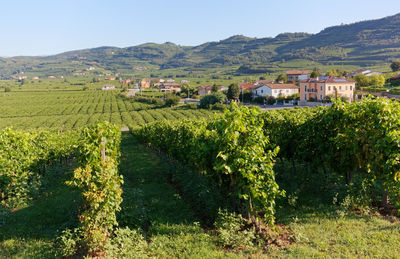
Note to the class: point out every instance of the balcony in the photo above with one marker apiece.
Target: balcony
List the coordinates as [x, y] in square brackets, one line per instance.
[311, 90]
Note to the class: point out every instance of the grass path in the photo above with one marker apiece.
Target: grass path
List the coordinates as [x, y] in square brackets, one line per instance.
[153, 205]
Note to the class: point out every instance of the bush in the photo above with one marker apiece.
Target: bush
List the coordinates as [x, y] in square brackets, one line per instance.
[270, 100]
[67, 243]
[171, 100]
[211, 99]
[7, 89]
[126, 243]
[232, 232]
[218, 107]
[259, 99]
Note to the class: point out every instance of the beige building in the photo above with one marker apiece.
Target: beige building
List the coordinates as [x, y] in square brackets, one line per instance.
[207, 89]
[145, 83]
[296, 75]
[318, 88]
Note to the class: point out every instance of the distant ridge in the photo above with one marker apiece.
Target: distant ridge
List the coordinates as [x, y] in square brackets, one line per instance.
[363, 43]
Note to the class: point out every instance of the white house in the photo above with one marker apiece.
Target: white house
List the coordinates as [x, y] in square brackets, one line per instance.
[108, 87]
[275, 90]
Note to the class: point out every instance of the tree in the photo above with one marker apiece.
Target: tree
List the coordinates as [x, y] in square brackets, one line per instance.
[171, 100]
[282, 78]
[187, 89]
[362, 80]
[212, 99]
[377, 80]
[395, 66]
[314, 74]
[214, 89]
[233, 92]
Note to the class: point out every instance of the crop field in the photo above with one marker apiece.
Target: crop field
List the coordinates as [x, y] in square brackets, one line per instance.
[64, 110]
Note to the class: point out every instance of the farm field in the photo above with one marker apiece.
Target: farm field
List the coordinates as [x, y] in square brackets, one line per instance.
[172, 226]
[65, 110]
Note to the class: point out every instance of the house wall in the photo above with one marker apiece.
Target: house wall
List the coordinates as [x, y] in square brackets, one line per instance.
[262, 91]
[283, 92]
[319, 91]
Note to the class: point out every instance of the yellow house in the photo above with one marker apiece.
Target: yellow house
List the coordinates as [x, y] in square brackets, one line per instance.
[318, 88]
[145, 83]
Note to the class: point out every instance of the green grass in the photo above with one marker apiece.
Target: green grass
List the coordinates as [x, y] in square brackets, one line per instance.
[30, 231]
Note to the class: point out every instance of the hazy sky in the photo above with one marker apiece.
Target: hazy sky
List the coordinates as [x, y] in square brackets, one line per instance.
[44, 27]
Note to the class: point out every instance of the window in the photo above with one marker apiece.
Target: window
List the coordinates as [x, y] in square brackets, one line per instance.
[351, 88]
[320, 88]
[320, 97]
[346, 87]
[275, 91]
[262, 91]
[305, 97]
[305, 88]
[340, 87]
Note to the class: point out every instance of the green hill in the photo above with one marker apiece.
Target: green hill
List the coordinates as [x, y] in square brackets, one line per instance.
[366, 43]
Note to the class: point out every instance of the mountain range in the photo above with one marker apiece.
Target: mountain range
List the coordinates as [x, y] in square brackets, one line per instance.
[365, 43]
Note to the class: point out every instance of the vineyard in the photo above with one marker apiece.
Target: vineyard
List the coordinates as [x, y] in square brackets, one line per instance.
[284, 183]
[65, 110]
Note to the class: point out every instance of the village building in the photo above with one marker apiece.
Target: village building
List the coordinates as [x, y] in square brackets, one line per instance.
[297, 75]
[207, 89]
[145, 83]
[318, 88]
[170, 87]
[275, 90]
[365, 72]
[245, 86]
[263, 82]
[108, 87]
[109, 78]
[125, 81]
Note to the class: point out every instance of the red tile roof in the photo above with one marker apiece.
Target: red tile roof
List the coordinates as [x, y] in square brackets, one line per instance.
[246, 86]
[282, 86]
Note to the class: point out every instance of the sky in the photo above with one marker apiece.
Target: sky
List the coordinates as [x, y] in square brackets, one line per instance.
[46, 27]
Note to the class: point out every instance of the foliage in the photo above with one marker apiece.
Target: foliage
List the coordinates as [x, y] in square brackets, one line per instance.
[357, 139]
[171, 100]
[314, 74]
[232, 232]
[212, 99]
[233, 92]
[100, 183]
[126, 243]
[7, 89]
[395, 66]
[23, 159]
[373, 80]
[282, 78]
[231, 148]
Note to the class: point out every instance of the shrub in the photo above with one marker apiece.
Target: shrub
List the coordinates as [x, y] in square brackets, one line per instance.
[171, 100]
[7, 89]
[232, 232]
[126, 243]
[211, 99]
[218, 107]
[259, 99]
[270, 100]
